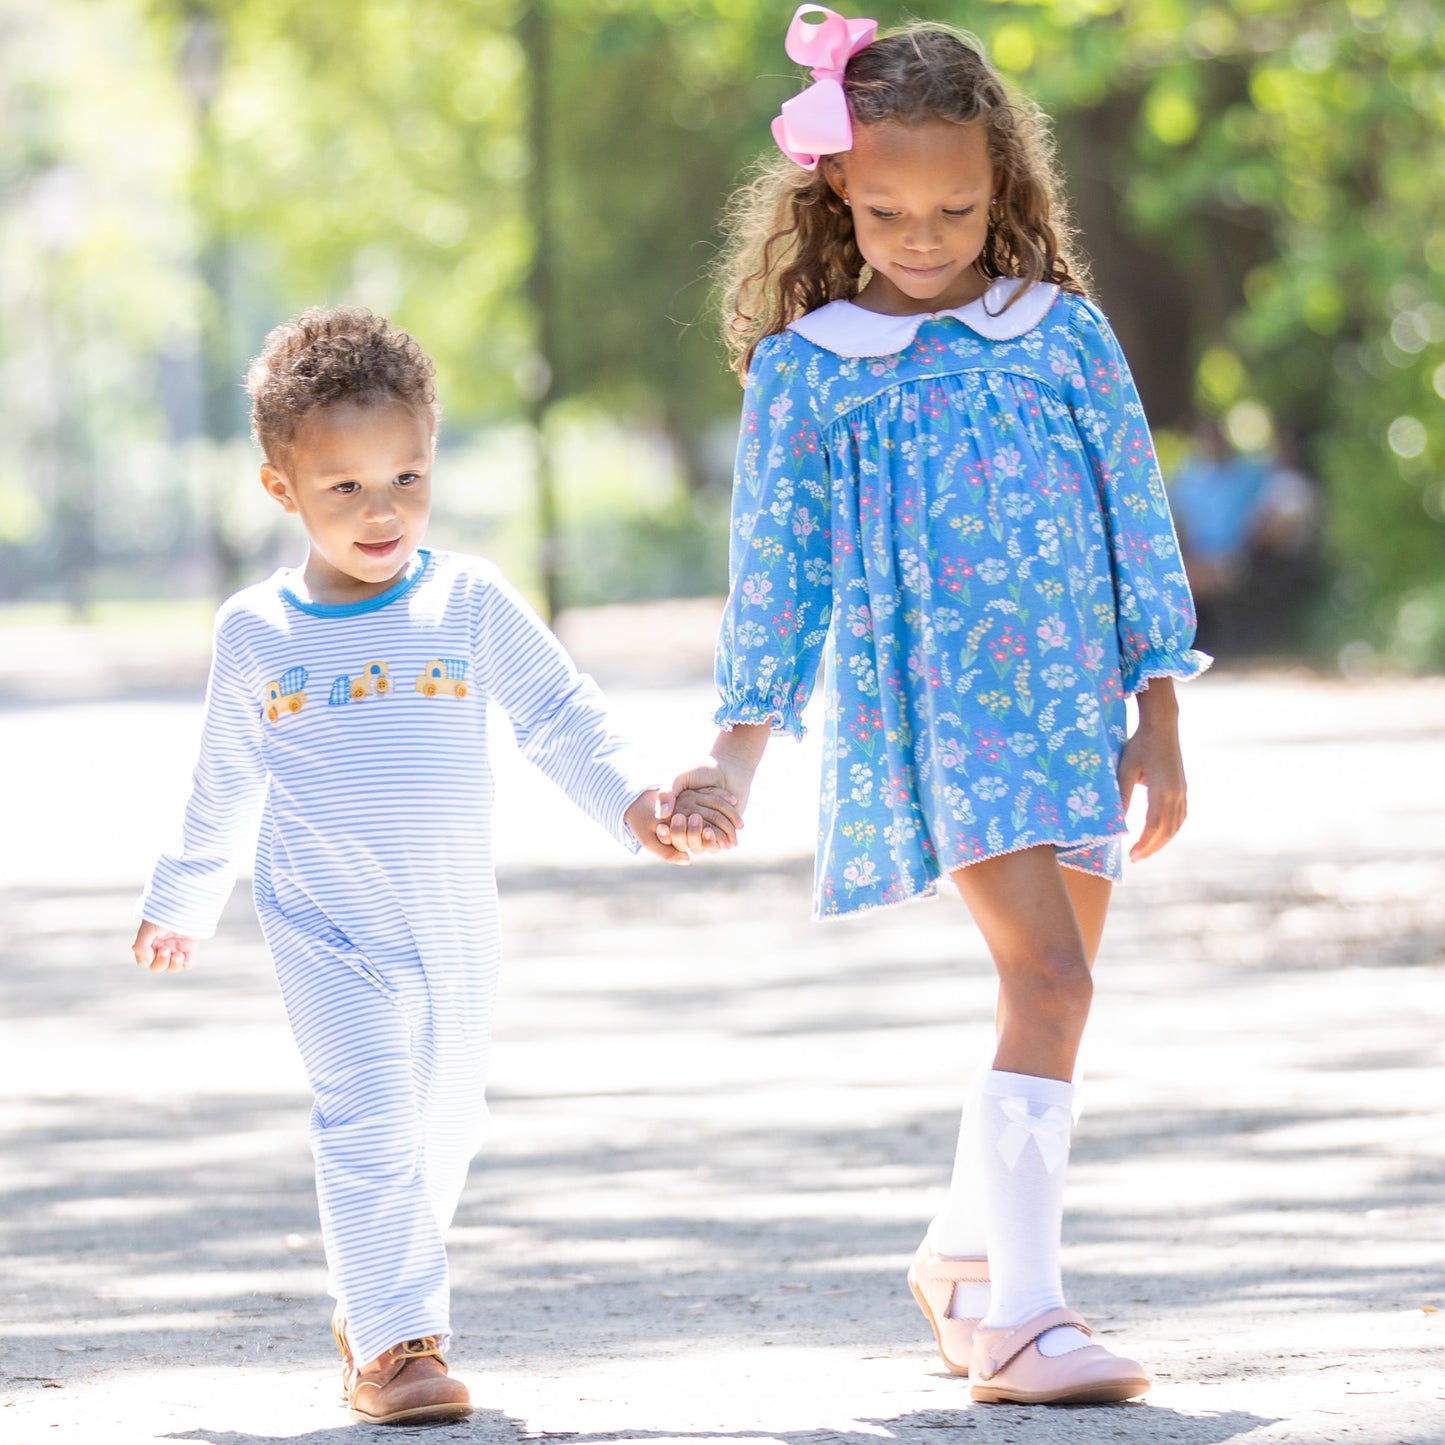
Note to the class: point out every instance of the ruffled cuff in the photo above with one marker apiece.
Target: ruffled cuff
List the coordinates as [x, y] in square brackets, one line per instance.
[785, 716]
[1136, 672]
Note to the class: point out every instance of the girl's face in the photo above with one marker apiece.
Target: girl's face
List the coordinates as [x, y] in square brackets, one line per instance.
[919, 195]
[359, 477]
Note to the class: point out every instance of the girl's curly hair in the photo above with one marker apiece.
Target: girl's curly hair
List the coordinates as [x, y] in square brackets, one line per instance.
[790, 246]
[330, 355]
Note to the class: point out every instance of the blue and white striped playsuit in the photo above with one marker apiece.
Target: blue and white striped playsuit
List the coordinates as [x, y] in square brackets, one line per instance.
[362, 729]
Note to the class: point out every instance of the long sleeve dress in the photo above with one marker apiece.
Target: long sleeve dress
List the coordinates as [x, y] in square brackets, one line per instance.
[361, 731]
[958, 516]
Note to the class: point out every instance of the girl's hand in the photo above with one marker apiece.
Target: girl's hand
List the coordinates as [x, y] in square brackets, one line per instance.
[1152, 758]
[701, 812]
[735, 758]
[162, 951]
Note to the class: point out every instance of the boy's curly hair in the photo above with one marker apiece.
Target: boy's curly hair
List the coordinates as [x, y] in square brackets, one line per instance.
[790, 246]
[330, 355]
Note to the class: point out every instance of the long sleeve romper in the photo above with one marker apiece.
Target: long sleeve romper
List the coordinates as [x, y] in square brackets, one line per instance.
[361, 731]
[959, 516]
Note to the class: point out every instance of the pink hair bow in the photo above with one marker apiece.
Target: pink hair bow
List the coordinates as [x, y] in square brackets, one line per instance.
[816, 122]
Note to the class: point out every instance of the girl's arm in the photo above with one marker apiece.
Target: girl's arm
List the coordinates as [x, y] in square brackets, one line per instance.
[780, 595]
[1154, 612]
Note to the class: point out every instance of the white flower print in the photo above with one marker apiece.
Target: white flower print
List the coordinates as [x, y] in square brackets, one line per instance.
[960, 806]
[910, 566]
[861, 778]
[1058, 676]
[861, 666]
[993, 570]
[989, 787]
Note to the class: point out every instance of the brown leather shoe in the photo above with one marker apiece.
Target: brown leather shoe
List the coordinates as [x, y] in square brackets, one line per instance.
[407, 1384]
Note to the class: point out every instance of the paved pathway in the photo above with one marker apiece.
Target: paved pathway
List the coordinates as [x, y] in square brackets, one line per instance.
[718, 1128]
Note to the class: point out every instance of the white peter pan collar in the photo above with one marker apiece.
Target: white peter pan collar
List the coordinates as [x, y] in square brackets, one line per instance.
[847, 329]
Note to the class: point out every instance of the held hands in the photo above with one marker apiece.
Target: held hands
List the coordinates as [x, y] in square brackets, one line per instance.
[1151, 758]
[715, 814]
[687, 816]
[162, 951]
[686, 812]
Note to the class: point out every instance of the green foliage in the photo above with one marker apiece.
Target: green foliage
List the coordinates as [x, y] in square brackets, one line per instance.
[1286, 159]
[1258, 181]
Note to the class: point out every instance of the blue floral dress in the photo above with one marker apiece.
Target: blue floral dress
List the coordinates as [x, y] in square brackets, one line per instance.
[960, 515]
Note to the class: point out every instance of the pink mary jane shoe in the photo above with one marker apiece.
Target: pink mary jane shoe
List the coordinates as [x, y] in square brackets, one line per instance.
[1006, 1366]
[931, 1277]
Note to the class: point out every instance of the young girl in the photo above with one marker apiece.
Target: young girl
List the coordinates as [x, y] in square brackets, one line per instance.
[946, 493]
[350, 697]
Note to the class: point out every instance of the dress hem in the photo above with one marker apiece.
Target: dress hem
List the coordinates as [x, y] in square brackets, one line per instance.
[930, 889]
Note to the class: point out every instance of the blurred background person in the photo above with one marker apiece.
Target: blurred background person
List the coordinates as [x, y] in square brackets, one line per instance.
[1215, 495]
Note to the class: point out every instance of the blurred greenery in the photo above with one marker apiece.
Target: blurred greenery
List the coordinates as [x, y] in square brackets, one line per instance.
[532, 189]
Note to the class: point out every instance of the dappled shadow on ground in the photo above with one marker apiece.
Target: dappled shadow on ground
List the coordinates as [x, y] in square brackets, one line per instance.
[670, 1172]
[488, 1425]
[1134, 1421]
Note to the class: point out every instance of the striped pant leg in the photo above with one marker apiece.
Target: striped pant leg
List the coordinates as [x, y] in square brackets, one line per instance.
[451, 1081]
[359, 1043]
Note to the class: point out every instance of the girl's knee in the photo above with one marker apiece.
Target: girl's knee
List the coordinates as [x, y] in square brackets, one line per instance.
[1056, 980]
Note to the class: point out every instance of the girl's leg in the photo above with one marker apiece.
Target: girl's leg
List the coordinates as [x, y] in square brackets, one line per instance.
[1043, 930]
[1089, 896]
[1025, 910]
[958, 1232]
[1021, 1117]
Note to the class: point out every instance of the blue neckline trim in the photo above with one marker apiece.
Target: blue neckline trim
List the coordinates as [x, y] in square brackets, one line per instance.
[421, 559]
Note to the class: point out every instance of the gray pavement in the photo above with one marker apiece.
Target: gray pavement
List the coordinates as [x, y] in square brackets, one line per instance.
[719, 1128]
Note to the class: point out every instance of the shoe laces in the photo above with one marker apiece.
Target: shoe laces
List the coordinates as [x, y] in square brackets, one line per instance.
[428, 1345]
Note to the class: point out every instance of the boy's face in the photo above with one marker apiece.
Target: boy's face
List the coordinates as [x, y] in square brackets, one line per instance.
[359, 477]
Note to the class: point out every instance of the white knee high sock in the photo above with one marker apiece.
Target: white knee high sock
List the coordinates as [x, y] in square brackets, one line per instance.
[1024, 1130]
[958, 1231]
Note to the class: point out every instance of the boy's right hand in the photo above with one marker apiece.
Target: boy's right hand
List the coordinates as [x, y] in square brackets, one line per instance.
[162, 951]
